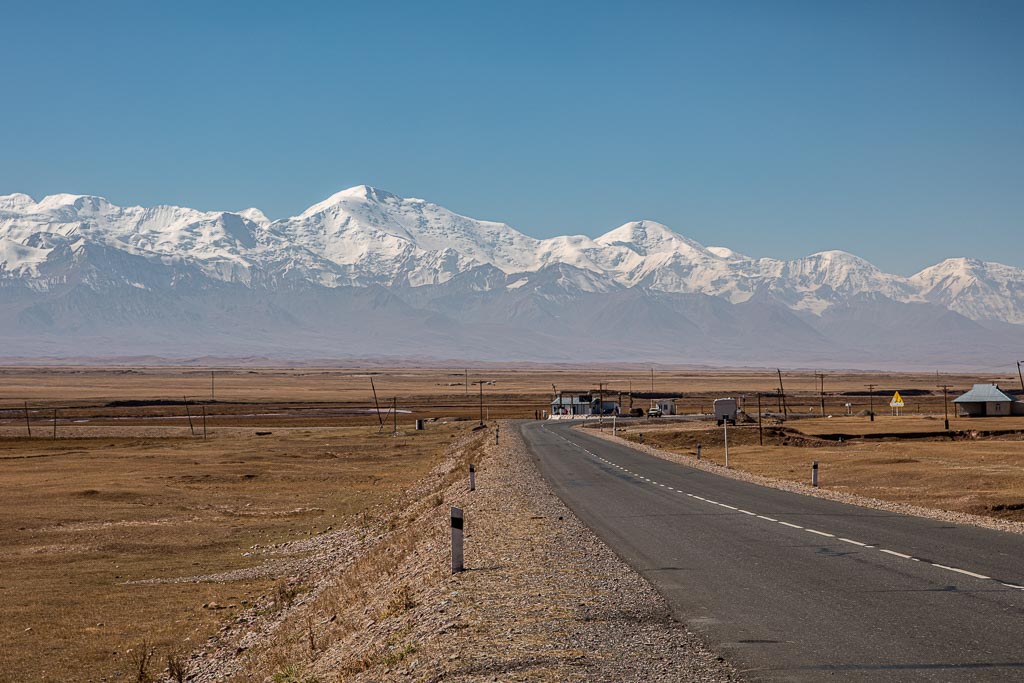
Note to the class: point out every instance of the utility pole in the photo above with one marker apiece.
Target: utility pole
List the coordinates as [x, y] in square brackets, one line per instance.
[394, 415]
[760, 429]
[600, 404]
[1021, 376]
[945, 403]
[189, 414]
[821, 376]
[28, 425]
[481, 383]
[782, 396]
[652, 390]
[871, 400]
[212, 393]
[467, 382]
[376, 404]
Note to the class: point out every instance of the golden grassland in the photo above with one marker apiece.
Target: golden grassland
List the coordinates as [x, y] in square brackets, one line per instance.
[85, 518]
[129, 491]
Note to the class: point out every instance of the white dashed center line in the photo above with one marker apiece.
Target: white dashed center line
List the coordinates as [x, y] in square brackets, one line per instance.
[960, 571]
[788, 524]
[820, 533]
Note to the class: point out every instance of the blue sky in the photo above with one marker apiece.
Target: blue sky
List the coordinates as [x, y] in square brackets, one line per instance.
[894, 130]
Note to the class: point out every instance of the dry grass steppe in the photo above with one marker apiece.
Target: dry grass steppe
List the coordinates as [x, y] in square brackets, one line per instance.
[129, 527]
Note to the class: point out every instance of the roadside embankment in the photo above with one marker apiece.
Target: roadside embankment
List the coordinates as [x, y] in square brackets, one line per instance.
[542, 599]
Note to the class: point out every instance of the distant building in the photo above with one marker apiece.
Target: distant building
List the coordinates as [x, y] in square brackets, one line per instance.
[988, 400]
[667, 406]
[575, 403]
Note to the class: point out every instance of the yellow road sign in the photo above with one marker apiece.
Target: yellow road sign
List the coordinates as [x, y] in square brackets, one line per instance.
[897, 401]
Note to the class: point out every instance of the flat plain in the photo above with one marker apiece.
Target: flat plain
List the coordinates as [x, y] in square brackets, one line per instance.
[126, 530]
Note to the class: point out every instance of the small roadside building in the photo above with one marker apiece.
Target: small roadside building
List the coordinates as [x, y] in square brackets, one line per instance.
[988, 400]
[573, 403]
[667, 406]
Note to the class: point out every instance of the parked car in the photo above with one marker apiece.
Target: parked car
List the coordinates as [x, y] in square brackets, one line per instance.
[654, 412]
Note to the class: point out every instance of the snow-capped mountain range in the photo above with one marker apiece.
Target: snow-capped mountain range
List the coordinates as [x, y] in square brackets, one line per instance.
[364, 241]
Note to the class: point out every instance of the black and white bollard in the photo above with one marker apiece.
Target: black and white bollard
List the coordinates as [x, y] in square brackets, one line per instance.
[497, 429]
[457, 522]
[698, 451]
[641, 437]
[472, 477]
[814, 473]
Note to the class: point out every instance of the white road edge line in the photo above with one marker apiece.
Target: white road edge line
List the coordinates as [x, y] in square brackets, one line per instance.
[820, 533]
[893, 552]
[795, 526]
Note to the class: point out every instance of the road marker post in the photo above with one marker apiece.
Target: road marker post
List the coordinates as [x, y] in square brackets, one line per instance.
[472, 477]
[497, 430]
[814, 474]
[698, 451]
[457, 524]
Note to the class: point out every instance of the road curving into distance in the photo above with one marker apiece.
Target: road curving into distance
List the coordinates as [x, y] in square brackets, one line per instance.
[793, 587]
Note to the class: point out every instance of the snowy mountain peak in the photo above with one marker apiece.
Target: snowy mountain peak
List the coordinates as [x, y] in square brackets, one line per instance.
[727, 253]
[353, 195]
[364, 236]
[16, 202]
[650, 237]
[255, 215]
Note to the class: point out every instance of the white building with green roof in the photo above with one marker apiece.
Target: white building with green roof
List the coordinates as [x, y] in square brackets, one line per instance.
[988, 400]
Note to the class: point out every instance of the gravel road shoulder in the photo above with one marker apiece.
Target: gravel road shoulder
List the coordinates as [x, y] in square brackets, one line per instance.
[542, 598]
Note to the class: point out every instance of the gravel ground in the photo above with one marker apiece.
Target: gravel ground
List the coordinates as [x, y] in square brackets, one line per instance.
[843, 497]
[542, 598]
[548, 601]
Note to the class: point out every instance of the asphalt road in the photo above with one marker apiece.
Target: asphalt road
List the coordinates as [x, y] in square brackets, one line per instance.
[792, 587]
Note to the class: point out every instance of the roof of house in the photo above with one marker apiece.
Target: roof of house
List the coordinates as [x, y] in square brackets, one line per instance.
[575, 399]
[983, 393]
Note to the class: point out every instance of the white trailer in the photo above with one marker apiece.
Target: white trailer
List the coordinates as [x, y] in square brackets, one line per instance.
[725, 409]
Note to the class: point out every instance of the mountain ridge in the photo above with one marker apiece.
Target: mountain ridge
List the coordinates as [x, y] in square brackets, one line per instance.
[72, 266]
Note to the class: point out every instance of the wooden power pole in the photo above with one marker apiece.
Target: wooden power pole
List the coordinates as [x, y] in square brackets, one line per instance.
[782, 396]
[871, 400]
[945, 403]
[821, 376]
